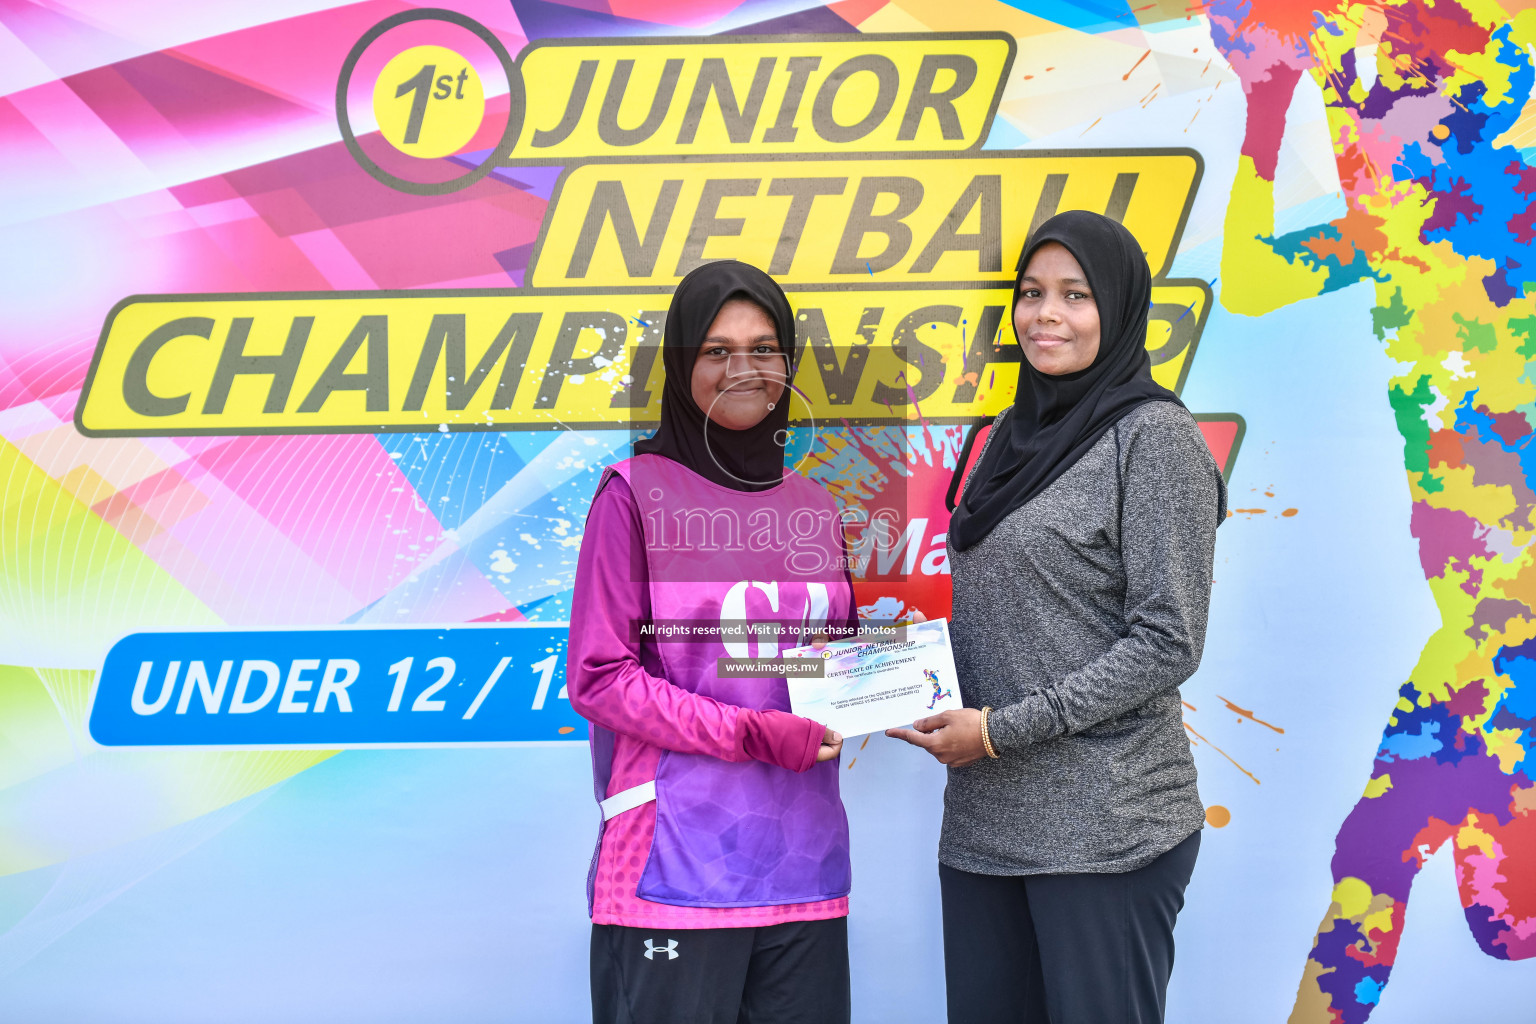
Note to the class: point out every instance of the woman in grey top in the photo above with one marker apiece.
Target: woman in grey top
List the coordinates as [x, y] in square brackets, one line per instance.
[1081, 555]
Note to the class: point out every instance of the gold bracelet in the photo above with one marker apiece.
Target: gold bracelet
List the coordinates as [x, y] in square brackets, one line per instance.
[986, 736]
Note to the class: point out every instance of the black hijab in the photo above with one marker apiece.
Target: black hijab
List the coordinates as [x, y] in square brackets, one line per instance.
[1056, 419]
[743, 460]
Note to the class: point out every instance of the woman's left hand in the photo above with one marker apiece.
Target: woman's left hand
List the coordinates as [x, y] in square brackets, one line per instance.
[953, 737]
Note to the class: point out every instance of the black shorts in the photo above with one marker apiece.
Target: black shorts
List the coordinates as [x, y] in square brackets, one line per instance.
[792, 973]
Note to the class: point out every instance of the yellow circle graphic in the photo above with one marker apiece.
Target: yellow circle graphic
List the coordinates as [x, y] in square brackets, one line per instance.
[428, 101]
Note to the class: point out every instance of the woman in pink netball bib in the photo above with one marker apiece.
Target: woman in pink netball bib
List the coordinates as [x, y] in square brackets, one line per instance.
[719, 891]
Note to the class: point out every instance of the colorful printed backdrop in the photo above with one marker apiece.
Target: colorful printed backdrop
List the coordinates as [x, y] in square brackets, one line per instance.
[392, 205]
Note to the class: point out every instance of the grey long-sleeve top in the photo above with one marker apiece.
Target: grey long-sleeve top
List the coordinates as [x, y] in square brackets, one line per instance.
[1076, 619]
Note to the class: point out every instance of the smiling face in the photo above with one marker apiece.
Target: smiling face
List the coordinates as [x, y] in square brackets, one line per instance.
[740, 371]
[1055, 313]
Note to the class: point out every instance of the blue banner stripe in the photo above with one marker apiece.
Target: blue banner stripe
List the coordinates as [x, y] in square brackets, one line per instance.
[336, 687]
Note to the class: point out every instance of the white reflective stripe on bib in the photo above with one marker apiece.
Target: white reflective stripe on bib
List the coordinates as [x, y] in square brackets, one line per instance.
[629, 799]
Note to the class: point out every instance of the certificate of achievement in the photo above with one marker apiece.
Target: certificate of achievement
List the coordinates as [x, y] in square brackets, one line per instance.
[870, 686]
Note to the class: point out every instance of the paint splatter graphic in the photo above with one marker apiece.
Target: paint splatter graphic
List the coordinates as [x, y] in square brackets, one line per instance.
[1424, 106]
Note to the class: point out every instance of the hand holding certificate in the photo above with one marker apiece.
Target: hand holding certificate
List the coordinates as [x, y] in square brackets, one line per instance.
[871, 685]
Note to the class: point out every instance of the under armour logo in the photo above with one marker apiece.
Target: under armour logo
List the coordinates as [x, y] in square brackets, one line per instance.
[651, 949]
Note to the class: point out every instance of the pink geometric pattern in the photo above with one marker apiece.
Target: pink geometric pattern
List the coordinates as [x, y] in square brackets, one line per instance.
[215, 165]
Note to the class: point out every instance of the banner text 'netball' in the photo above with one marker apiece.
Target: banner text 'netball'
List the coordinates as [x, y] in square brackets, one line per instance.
[862, 221]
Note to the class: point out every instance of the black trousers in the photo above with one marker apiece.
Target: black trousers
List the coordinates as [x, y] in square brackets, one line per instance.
[1063, 949]
[793, 973]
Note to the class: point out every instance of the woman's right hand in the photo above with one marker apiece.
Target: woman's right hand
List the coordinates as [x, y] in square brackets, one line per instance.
[831, 746]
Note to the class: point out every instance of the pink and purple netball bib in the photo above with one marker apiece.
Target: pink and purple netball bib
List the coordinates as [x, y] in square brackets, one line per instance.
[738, 574]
